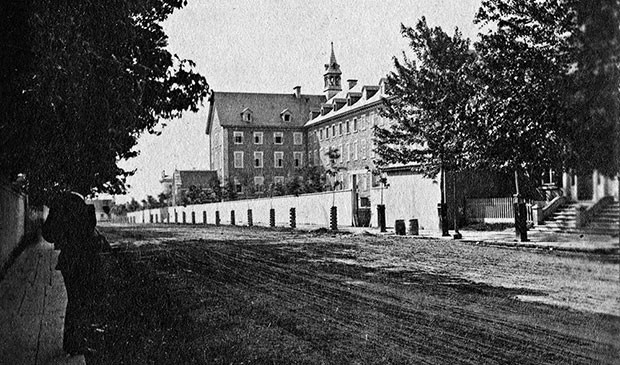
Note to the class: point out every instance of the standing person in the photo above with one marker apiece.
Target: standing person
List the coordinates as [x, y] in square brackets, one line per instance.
[70, 226]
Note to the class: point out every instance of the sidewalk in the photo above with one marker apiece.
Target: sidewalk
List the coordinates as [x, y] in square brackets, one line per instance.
[32, 309]
[536, 239]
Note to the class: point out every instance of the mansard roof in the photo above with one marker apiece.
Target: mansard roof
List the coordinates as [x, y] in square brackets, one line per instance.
[357, 91]
[266, 108]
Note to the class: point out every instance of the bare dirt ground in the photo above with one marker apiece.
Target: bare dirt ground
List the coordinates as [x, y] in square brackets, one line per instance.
[222, 295]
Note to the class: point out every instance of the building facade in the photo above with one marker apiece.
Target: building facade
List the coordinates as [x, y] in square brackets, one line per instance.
[182, 181]
[258, 139]
[345, 123]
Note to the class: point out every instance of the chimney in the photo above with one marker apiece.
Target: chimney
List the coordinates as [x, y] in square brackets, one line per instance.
[297, 91]
[352, 83]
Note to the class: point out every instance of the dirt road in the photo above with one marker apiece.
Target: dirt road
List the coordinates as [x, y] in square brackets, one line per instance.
[252, 295]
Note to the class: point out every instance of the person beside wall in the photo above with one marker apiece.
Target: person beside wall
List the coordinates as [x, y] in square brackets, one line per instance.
[71, 227]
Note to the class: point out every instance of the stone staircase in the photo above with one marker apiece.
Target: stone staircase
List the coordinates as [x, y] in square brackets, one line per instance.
[606, 222]
[562, 221]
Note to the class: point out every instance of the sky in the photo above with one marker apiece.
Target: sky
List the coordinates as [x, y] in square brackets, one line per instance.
[272, 46]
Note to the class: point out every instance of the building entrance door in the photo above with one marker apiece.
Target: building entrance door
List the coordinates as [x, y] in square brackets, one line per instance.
[584, 187]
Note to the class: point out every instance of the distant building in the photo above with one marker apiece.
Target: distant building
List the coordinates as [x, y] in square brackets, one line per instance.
[102, 208]
[184, 180]
[258, 139]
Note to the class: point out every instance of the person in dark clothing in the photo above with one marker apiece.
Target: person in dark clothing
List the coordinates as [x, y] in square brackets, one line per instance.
[70, 226]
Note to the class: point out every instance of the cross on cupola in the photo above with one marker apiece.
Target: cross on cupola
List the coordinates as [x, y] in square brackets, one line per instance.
[332, 76]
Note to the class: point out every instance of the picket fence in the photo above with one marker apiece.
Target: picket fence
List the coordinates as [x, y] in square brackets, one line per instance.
[493, 210]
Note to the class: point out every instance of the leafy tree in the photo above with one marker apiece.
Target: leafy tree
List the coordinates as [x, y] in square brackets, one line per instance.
[164, 199]
[133, 205]
[91, 77]
[523, 59]
[151, 202]
[429, 98]
[313, 179]
[197, 195]
[119, 209]
[230, 190]
[294, 186]
[278, 189]
[595, 80]
[215, 189]
[333, 154]
[549, 71]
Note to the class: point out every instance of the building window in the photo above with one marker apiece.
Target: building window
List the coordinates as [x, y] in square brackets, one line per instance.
[348, 127]
[321, 134]
[277, 137]
[238, 137]
[363, 148]
[286, 117]
[348, 152]
[247, 116]
[341, 152]
[333, 131]
[238, 159]
[238, 186]
[278, 180]
[354, 124]
[298, 159]
[259, 181]
[298, 138]
[340, 129]
[258, 137]
[327, 133]
[258, 159]
[278, 159]
[355, 150]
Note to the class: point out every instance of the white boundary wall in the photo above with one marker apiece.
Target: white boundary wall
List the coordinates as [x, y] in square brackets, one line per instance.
[311, 209]
[409, 196]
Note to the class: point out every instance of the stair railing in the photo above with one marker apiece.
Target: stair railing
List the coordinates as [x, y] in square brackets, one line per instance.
[553, 205]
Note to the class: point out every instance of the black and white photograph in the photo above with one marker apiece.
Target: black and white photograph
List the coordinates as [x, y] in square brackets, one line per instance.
[309, 182]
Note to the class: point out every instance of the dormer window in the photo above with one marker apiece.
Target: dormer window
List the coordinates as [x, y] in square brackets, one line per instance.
[286, 115]
[246, 115]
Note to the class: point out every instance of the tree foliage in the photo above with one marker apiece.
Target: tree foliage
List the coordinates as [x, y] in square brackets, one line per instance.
[90, 77]
[428, 97]
[540, 91]
[521, 107]
[549, 71]
[595, 87]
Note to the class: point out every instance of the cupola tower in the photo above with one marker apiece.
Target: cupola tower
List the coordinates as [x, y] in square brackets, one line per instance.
[332, 76]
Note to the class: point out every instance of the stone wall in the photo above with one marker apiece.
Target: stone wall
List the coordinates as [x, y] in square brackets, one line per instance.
[311, 209]
[13, 208]
[410, 196]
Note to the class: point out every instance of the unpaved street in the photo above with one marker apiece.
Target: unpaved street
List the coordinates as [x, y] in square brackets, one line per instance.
[253, 295]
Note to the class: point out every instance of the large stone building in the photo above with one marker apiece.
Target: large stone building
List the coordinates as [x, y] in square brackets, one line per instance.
[345, 122]
[258, 139]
